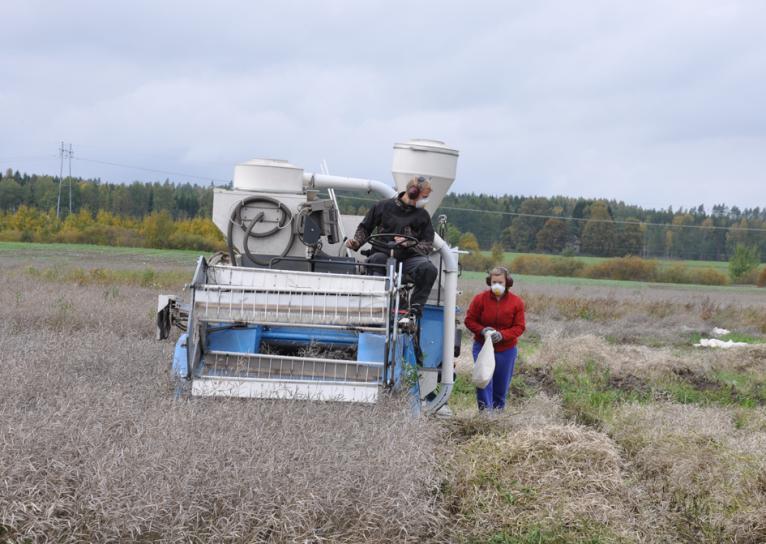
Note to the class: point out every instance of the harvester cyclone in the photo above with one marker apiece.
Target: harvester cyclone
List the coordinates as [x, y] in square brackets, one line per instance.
[291, 312]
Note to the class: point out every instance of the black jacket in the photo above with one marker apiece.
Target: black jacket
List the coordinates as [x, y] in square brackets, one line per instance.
[393, 216]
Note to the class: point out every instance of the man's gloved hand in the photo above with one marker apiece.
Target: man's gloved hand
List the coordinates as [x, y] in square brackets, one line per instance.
[486, 330]
[352, 244]
[496, 337]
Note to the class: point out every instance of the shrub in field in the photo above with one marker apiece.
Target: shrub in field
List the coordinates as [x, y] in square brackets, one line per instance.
[104, 235]
[537, 265]
[680, 273]
[707, 276]
[11, 235]
[743, 265]
[498, 252]
[623, 268]
[566, 267]
[675, 273]
[761, 282]
[748, 278]
[477, 262]
[541, 265]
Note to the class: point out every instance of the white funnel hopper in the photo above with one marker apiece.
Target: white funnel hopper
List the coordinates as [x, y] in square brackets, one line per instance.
[429, 158]
[268, 175]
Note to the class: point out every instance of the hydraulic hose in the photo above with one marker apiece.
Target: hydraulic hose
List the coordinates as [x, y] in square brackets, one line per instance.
[236, 217]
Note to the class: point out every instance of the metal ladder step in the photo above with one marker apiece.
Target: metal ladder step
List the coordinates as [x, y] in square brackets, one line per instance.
[279, 297]
[284, 367]
[285, 389]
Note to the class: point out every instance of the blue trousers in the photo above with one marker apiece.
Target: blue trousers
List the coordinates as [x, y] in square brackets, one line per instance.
[493, 396]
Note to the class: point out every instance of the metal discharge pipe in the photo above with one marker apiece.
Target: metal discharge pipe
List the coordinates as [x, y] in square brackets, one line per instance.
[324, 181]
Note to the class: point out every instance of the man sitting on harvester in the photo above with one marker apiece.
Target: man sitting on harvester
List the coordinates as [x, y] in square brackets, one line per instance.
[407, 222]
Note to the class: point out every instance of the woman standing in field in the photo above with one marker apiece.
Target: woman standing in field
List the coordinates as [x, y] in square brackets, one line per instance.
[501, 313]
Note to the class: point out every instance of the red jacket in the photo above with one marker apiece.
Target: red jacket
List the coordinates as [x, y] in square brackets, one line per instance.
[505, 316]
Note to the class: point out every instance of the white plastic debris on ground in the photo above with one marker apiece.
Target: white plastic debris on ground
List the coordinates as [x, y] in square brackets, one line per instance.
[717, 331]
[716, 343]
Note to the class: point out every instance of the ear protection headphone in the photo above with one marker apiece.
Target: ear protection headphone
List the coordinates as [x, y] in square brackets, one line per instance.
[414, 191]
[508, 278]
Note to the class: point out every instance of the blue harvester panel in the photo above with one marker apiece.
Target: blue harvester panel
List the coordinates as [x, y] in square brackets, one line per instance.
[180, 360]
[240, 340]
[431, 336]
[372, 347]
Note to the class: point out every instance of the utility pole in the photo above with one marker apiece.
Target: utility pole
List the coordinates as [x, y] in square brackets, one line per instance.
[63, 151]
[70, 178]
[61, 178]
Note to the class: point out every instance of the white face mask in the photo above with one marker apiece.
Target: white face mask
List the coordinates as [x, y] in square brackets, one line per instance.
[497, 289]
[421, 203]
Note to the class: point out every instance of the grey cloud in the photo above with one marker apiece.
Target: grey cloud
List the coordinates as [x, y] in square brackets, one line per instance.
[655, 103]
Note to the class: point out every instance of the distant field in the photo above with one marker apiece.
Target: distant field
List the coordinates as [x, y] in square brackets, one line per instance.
[182, 256]
[74, 253]
[527, 279]
[721, 266]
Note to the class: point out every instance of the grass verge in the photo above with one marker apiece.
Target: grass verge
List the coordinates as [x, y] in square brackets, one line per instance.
[146, 277]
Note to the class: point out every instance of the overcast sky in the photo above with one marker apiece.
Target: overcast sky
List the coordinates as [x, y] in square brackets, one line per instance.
[655, 103]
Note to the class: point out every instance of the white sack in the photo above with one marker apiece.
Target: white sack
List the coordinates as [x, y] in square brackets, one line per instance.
[484, 366]
[716, 343]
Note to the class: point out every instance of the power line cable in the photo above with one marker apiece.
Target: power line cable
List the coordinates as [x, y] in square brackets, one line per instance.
[613, 221]
[154, 170]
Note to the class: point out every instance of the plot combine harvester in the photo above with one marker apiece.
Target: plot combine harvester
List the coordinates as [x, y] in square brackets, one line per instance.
[290, 312]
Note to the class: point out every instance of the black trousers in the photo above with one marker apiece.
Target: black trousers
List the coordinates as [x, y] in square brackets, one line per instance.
[419, 269]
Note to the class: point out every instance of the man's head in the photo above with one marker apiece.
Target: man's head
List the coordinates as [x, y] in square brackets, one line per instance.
[418, 189]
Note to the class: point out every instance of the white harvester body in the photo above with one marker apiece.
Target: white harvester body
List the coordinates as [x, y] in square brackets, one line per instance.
[293, 313]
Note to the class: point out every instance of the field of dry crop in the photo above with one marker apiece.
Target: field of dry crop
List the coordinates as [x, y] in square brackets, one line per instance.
[618, 430]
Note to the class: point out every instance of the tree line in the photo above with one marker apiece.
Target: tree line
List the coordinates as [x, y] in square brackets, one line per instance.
[137, 199]
[555, 225]
[566, 225]
[158, 214]
[603, 228]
